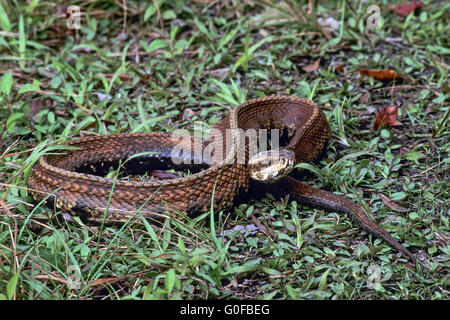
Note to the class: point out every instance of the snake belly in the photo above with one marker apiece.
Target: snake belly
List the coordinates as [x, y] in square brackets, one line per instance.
[72, 180]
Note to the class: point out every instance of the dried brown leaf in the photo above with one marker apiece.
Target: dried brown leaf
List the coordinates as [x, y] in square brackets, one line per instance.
[405, 9]
[391, 204]
[382, 74]
[312, 67]
[386, 116]
[337, 68]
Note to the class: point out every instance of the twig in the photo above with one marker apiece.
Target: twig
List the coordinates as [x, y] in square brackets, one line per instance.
[396, 88]
[124, 3]
[406, 87]
[9, 34]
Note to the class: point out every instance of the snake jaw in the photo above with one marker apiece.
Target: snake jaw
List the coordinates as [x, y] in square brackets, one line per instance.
[270, 166]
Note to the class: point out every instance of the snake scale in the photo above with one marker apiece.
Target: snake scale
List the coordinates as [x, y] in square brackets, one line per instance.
[73, 179]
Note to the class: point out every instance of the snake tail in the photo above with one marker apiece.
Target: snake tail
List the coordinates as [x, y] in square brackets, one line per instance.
[331, 202]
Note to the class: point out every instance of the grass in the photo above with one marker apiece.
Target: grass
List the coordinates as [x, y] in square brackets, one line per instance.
[161, 66]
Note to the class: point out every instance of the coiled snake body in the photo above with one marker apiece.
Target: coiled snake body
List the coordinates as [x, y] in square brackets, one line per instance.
[73, 178]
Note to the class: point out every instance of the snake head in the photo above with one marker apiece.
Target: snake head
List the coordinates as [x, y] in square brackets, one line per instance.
[270, 166]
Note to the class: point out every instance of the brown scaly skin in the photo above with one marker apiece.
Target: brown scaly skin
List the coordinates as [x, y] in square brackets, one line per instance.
[329, 201]
[86, 193]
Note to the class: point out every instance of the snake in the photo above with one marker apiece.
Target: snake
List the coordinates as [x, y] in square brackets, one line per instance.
[75, 178]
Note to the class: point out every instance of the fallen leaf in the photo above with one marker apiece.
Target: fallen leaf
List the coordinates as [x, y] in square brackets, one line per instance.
[337, 68]
[382, 74]
[391, 204]
[406, 8]
[387, 115]
[104, 280]
[312, 67]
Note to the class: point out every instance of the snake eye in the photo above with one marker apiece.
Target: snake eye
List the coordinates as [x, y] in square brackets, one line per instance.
[270, 166]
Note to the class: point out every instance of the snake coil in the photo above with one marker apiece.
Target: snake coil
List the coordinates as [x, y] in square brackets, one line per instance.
[73, 179]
